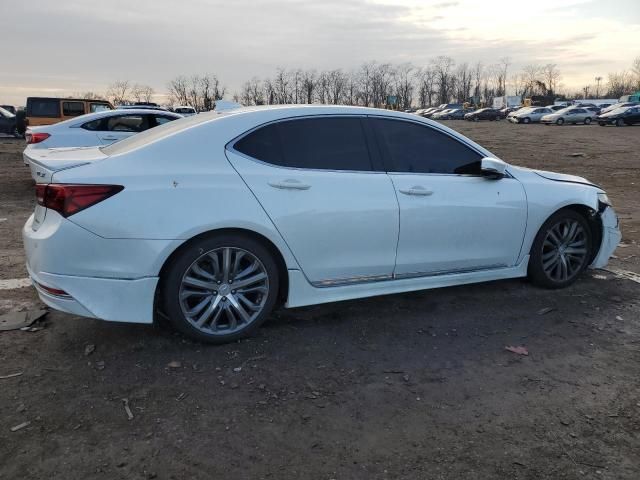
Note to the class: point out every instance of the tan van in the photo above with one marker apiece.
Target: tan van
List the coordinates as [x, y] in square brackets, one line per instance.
[47, 111]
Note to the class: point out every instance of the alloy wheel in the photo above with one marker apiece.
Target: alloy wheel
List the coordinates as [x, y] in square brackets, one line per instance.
[564, 250]
[224, 290]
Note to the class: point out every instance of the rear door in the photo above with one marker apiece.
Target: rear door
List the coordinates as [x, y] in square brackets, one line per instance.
[316, 180]
[452, 219]
[119, 127]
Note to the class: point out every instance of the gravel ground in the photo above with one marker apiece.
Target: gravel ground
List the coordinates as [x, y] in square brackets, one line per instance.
[416, 385]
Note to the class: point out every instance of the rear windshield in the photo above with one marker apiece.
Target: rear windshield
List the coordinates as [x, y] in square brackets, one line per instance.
[43, 107]
[184, 110]
[156, 133]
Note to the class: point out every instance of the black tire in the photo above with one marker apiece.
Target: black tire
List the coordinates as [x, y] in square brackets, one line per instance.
[602, 124]
[15, 132]
[560, 121]
[587, 121]
[619, 122]
[526, 120]
[536, 269]
[182, 261]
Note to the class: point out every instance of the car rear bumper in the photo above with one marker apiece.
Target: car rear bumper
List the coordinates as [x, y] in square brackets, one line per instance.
[611, 237]
[109, 279]
[110, 299]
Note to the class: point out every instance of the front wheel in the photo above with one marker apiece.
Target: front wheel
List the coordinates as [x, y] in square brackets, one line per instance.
[526, 120]
[619, 123]
[560, 121]
[587, 121]
[561, 250]
[220, 288]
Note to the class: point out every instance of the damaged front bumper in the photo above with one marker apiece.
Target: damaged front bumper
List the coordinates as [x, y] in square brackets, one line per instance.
[611, 237]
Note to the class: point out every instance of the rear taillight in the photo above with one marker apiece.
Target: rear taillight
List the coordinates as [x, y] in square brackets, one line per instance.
[69, 199]
[36, 137]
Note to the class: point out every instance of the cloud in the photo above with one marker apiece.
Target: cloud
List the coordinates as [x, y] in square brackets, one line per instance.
[80, 45]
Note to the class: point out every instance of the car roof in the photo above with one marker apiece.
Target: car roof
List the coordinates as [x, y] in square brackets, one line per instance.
[259, 115]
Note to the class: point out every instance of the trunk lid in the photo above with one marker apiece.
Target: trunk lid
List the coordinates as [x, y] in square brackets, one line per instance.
[44, 163]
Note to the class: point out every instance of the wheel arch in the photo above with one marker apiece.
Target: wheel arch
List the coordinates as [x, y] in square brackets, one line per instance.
[593, 220]
[283, 287]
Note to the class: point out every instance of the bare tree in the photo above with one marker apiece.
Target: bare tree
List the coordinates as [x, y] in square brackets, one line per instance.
[118, 92]
[309, 79]
[442, 66]
[426, 90]
[179, 90]
[142, 93]
[551, 76]
[404, 84]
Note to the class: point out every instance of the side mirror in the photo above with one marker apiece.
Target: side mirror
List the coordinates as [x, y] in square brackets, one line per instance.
[493, 168]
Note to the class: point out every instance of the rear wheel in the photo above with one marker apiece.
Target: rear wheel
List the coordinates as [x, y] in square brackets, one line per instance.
[602, 124]
[561, 250]
[526, 120]
[220, 288]
[587, 121]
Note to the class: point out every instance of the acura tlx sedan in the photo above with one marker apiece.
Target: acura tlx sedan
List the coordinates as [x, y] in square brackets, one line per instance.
[214, 219]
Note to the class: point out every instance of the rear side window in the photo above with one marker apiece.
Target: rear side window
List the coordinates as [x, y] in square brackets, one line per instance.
[161, 119]
[410, 147]
[330, 143]
[95, 125]
[127, 123]
[72, 109]
[43, 107]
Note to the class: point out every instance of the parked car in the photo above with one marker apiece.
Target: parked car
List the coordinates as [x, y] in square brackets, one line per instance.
[520, 110]
[47, 111]
[482, 114]
[620, 117]
[9, 108]
[504, 112]
[217, 218]
[618, 105]
[573, 115]
[185, 110]
[102, 128]
[555, 108]
[441, 115]
[532, 115]
[454, 114]
[8, 123]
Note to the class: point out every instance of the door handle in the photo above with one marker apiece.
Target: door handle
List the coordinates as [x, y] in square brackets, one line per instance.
[290, 184]
[417, 190]
[110, 138]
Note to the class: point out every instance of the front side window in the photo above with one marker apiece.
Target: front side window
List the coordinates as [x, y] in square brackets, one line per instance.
[72, 109]
[413, 148]
[329, 143]
[161, 119]
[127, 123]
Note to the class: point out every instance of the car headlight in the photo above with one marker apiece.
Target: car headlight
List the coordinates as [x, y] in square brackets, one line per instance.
[604, 199]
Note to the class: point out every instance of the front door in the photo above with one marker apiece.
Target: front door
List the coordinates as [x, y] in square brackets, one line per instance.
[452, 219]
[315, 179]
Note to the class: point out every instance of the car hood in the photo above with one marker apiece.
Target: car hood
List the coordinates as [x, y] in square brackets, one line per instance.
[563, 177]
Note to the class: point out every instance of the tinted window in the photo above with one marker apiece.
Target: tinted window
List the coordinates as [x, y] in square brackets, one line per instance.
[42, 107]
[161, 120]
[127, 123]
[72, 109]
[95, 125]
[317, 143]
[409, 147]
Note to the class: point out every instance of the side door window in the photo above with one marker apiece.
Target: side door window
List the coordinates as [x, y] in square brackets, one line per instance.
[98, 107]
[330, 143]
[127, 123]
[161, 120]
[72, 109]
[413, 148]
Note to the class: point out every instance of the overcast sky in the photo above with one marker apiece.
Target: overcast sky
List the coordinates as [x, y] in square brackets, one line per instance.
[61, 47]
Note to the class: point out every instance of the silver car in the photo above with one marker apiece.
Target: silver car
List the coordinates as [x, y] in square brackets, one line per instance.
[569, 115]
[530, 115]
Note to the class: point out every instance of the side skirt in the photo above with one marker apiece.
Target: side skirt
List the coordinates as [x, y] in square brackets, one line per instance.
[302, 293]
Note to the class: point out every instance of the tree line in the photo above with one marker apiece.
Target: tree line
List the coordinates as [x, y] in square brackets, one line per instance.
[374, 84]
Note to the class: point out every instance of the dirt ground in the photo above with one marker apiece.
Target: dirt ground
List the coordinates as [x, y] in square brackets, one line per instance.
[409, 386]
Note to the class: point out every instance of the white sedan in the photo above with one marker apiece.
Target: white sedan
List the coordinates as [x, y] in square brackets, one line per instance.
[216, 219]
[100, 128]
